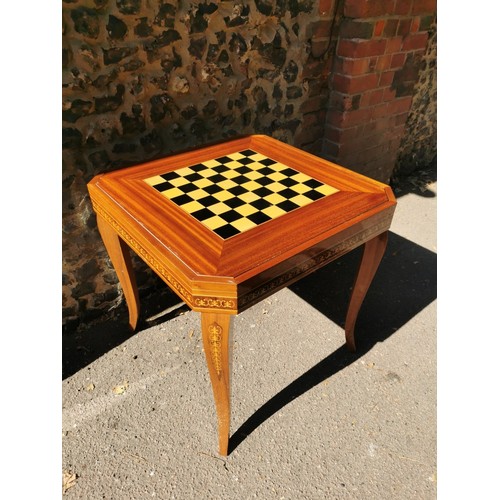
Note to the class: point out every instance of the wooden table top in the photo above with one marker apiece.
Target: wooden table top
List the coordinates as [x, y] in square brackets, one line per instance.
[220, 215]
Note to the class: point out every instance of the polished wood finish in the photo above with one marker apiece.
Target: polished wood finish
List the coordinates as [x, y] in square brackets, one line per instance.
[222, 277]
[216, 333]
[119, 254]
[373, 252]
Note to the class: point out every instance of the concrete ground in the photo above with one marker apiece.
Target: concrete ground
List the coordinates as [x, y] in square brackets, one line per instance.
[309, 419]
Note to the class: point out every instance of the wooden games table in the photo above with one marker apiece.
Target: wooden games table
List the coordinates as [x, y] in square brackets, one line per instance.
[230, 224]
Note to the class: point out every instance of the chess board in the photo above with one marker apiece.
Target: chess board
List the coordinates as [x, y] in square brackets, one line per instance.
[237, 192]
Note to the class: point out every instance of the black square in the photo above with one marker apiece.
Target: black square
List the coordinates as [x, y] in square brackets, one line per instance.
[237, 190]
[247, 152]
[289, 172]
[263, 181]
[216, 178]
[243, 169]
[182, 199]
[187, 188]
[230, 216]
[198, 167]
[170, 175]
[240, 179]
[245, 161]
[208, 201]
[226, 231]
[203, 214]
[223, 159]
[260, 204]
[258, 217]
[263, 192]
[313, 183]
[193, 177]
[234, 202]
[313, 195]
[220, 168]
[287, 205]
[164, 186]
[212, 189]
[288, 182]
[266, 171]
[267, 161]
[287, 193]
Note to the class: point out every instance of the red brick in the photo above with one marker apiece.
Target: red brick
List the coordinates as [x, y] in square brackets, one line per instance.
[368, 8]
[330, 150]
[353, 67]
[314, 119]
[401, 119]
[379, 28]
[376, 96]
[319, 47]
[391, 26]
[386, 78]
[356, 117]
[415, 25]
[321, 29]
[389, 94]
[398, 60]
[333, 133]
[364, 102]
[394, 45]
[314, 104]
[398, 106]
[356, 29]
[325, 7]
[334, 118]
[423, 6]
[402, 7]
[379, 110]
[363, 48]
[415, 42]
[355, 85]
[383, 62]
[404, 27]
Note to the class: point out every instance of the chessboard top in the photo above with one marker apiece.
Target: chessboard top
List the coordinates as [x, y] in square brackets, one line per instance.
[233, 208]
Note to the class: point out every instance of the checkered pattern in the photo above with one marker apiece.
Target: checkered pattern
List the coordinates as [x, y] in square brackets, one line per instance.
[234, 193]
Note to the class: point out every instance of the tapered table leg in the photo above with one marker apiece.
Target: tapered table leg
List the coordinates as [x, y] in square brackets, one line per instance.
[119, 254]
[372, 255]
[216, 331]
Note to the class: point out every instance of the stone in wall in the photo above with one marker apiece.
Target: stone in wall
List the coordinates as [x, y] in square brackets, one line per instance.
[418, 148]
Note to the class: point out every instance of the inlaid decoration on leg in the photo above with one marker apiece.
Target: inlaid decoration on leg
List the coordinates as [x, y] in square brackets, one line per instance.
[234, 193]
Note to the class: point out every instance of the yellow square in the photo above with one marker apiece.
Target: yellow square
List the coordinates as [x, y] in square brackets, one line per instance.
[254, 174]
[201, 183]
[207, 172]
[235, 156]
[229, 174]
[326, 190]
[233, 164]
[172, 193]
[198, 194]
[248, 197]
[275, 186]
[184, 171]
[273, 212]
[227, 184]
[219, 208]
[245, 210]
[251, 186]
[277, 176]
[255, 166]
[243, 224]
[214, 222]
[223, 195]
[278, 166]
[274, 198]
[192, 206]
[301, 188]
[153, 181]
[211, 163]
[301, 200]
[179, 181]
[300, 177]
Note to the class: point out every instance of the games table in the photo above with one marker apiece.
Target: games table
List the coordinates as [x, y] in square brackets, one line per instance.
[229, 224]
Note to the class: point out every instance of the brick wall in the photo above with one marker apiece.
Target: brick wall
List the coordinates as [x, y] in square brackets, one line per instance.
[379, 51]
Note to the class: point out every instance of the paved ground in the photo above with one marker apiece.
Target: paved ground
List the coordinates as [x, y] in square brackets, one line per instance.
[309, 420]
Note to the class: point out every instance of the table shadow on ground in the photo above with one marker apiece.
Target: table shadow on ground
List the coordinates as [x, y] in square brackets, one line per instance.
[405, 283]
